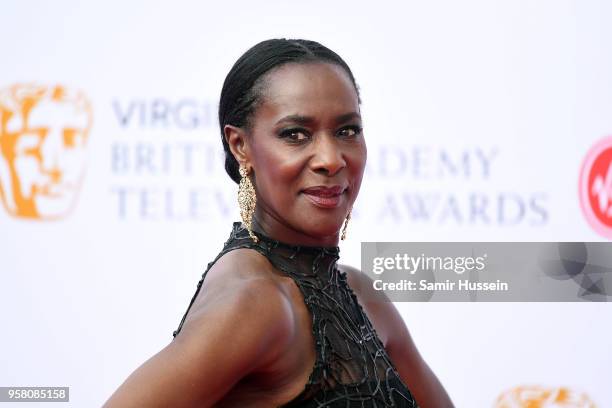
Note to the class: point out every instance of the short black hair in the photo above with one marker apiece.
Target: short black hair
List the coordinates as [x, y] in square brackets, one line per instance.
[242, 88]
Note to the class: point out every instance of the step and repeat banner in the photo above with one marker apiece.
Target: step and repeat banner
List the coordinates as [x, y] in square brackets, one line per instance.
[484, 121]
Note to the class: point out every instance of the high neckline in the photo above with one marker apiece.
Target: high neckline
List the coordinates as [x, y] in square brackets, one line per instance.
[298, 261]
[240, 230]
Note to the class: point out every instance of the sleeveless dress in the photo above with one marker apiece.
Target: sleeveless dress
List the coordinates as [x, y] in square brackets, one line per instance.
[352, 368]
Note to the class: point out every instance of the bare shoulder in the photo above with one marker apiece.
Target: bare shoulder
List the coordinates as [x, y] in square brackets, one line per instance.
[242, 325]
[242, 293]
[243, 272]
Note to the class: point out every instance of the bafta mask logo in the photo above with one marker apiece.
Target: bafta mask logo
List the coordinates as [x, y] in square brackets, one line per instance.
[595, 187]
[43, 138]
[543, 397]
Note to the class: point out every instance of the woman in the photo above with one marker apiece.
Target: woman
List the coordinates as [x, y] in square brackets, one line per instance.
[276, 322]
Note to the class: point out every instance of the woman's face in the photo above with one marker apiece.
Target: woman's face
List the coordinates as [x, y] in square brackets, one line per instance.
[305, 137]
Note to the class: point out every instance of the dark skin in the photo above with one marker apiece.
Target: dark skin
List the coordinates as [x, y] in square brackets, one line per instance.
[247, 340]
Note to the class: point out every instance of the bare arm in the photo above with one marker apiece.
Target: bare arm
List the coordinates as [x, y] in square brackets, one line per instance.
[240, 331]
[420, 379]
[414, 371]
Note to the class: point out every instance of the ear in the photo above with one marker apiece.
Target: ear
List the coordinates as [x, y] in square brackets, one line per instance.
[236, 138]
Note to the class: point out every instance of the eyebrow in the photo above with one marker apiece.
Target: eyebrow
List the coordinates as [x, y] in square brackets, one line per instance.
[305, 120]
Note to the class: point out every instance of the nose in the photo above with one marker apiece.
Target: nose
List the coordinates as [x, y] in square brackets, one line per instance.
[328, 157]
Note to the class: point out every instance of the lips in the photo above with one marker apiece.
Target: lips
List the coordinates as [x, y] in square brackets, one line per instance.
[325, 196]
[324, 191]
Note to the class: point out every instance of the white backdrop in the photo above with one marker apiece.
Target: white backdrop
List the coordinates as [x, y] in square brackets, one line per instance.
[477, 116]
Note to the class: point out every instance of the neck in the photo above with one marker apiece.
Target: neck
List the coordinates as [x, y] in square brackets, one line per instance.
[277, 230]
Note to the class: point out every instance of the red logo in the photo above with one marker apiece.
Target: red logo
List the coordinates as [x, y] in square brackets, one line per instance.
[595, 187]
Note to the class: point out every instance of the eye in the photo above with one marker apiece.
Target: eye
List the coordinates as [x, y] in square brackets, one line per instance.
[350, 131]
[294, 134]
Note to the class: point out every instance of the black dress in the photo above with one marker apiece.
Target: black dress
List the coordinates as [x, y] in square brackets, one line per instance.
[352, 368]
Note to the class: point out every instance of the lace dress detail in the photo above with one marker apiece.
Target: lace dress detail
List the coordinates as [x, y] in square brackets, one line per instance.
[352, 368]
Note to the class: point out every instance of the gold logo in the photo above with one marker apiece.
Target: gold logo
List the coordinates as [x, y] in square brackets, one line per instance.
[543, 397]
[43, 138]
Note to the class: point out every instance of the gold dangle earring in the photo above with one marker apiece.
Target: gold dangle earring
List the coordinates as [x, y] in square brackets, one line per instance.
[348, 217]
[247, 200]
